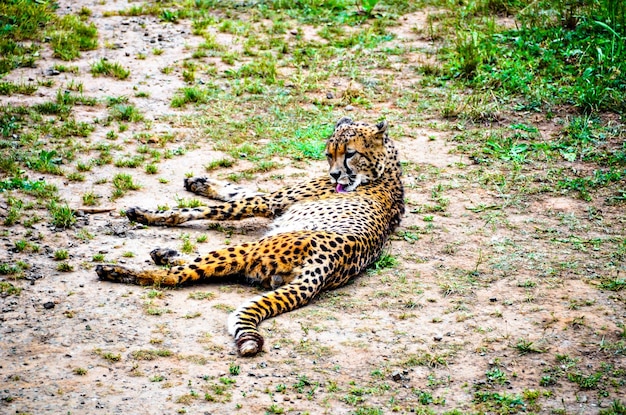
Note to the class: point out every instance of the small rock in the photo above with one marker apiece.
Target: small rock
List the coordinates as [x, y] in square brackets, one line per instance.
[396, 376]
[329, 95]
[48, 305]
[438, 338]
[493, 299]
[349, 108]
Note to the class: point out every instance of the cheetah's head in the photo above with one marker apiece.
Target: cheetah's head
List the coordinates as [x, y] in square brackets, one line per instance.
[356, 153]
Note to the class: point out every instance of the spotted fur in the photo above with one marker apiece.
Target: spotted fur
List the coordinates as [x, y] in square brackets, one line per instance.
[325, 231]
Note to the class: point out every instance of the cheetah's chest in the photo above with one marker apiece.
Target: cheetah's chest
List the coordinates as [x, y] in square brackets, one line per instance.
[340, 215]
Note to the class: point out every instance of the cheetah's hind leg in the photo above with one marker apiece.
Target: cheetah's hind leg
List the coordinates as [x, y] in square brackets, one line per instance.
[217, 189]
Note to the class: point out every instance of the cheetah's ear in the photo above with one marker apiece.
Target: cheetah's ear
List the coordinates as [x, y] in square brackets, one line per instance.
[344, 120]
[382, 126]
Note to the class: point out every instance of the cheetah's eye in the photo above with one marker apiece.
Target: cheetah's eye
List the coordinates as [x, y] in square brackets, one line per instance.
[350, 153]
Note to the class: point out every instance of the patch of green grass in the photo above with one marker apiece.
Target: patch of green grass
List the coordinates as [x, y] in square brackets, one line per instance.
[526, 347]
[61, 254]
[22, 27]
[306, 143]
[150, 354]
[234, 369]
[71, 35]
[368, 37]
[67, 99]
[13, 215]
[368, 5]
[75, 177]
[617, 408]
[62, 215]
[125, 112]
[10, 88]
[495, 376]
[613, 284]
[190, 94]
[585, 381]
[201, 295]
[263, 67]
[584, 186]
[105, 68]
[108, 356]
[65, 68]
[65, 267]
[14, 212]
[187, 247]
[386, 260]
[220, 163]
[543, 61]
[131, 162]
[152, 168]
[123, 182]
[6, 288]
[427, 359]
[502, 403]
[182, 202]
[15, 271]
[98, 258]
[21, 183]
[46, 162]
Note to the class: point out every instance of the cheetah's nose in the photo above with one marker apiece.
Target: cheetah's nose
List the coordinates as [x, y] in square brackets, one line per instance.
[335, 174]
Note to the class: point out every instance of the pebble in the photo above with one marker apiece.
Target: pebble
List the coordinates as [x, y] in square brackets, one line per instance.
[349, 108]
[438, 338]
[48, 305]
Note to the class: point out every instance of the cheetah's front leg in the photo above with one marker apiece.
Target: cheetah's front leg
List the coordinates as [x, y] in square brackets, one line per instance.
[234, 210]
[217, 189]
[240, 203]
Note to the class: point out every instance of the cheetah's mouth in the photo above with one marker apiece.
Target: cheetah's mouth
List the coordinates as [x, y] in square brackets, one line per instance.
[340, 188]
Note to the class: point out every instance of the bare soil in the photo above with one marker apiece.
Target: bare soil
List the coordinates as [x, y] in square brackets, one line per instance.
[489, 271]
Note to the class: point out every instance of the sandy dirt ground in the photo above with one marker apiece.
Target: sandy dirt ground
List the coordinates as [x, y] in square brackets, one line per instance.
[472, 282]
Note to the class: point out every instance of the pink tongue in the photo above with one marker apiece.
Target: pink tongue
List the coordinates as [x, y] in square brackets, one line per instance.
[340, 188]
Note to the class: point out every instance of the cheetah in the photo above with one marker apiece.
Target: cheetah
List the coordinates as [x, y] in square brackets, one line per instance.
[324, 232]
